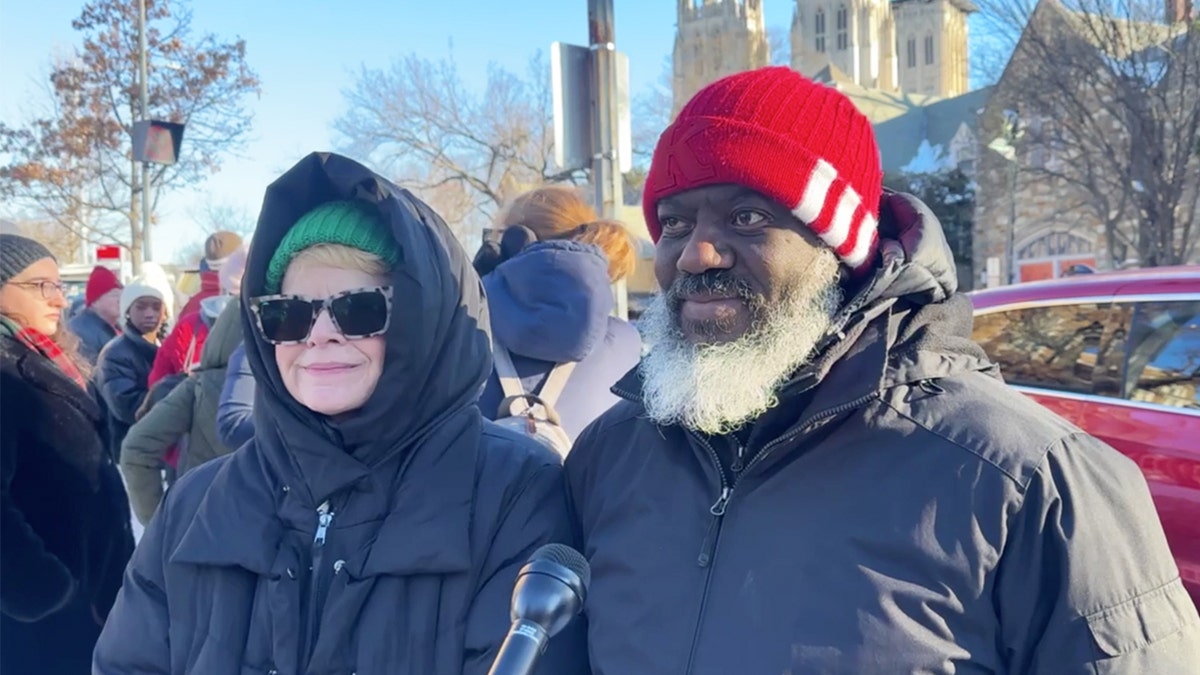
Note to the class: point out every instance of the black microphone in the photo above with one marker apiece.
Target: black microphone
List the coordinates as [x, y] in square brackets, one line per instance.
[549, 592]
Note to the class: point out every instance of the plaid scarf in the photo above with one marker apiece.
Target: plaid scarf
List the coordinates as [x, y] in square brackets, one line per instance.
[40, 343]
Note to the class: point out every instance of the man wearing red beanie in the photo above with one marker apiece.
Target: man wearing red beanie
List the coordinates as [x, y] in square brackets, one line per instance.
[815, 470]
[97, 323]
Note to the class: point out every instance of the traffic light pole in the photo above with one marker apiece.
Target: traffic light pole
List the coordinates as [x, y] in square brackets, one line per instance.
[144, 108]
[606, 169]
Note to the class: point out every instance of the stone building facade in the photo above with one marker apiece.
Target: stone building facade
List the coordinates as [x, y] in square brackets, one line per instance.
[714, 39]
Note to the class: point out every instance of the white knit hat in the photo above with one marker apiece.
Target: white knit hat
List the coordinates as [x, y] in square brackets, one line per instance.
[138, 288]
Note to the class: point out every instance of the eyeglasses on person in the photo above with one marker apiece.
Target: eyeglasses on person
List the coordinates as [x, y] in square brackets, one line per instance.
[48, 289]
[357, 314]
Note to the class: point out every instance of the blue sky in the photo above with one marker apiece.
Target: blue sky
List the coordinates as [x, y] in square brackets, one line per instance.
[306, 52]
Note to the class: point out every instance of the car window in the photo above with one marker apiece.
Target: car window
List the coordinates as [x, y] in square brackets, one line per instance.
[1053, 347]
[1164, 354]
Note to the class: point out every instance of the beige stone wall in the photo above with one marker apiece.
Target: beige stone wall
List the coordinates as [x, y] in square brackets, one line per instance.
[713, 40]
[932, 53]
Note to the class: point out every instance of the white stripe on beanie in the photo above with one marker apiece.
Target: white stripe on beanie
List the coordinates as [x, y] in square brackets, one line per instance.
[848, 216]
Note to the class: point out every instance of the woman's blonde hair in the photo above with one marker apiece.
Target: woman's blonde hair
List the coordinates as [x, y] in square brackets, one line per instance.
[344, 257]
[560, 212]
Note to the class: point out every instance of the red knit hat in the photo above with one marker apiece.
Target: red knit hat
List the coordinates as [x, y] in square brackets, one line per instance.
[798, 142]
[100, 281]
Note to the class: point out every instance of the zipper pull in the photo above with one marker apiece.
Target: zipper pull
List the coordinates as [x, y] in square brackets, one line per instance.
[718, 507]
[739, 459]
[324, 518]
[709, 545]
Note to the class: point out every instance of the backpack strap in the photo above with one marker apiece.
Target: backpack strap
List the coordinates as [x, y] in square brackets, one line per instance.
[191, 354]
[510, 382]
[555, 382]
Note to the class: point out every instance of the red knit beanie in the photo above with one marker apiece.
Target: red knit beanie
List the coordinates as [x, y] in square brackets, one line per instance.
[798, 142]
[100, 281]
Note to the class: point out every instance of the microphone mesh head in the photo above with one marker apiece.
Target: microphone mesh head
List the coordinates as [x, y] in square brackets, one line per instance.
[567, 557]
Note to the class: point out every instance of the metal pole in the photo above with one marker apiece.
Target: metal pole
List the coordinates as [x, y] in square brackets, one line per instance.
[142, 93]
[1012, 221]
[606, 174]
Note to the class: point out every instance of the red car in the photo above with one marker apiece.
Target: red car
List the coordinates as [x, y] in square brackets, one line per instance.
[1117, 354]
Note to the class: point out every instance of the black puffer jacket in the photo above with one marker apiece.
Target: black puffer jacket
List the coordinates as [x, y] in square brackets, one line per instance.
[431, 511]
[64, 517]
[122, 373]
[901, 511]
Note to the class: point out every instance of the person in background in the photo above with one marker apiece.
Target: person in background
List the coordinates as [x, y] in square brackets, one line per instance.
[551, 302]
[376, 523]
[181, 349]
[64, 518]
[235, 412]
[815, 469]
[97, 323]
[124, 364]
[189, 409]
[218, 248]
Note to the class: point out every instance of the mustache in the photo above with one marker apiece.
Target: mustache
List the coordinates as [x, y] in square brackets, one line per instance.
[715, 282]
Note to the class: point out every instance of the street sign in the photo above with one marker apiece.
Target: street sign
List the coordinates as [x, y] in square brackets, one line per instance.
[571, 92]
[569, 78]
[108, 252]
[157, 141]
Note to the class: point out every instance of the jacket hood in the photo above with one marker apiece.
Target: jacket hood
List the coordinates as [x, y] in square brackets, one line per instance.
[438, 352]
[909, 306]
[224, 336]
[551, 301]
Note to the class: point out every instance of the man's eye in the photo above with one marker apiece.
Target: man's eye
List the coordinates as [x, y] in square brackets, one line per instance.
[749, 218]
[670, 224]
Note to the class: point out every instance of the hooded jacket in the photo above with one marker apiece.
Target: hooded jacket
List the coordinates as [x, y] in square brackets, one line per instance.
[552, 303]
[64, 518]
[190, 409]
[900, 511]
[385, 542]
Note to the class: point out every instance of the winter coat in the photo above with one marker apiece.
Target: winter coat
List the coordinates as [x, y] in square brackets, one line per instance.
[235, 413]
[386, 541]
[191, 409]
[93, 333]
[189, 333]
[550, 304]
[64, 519]
[900, 511]
[121, 377]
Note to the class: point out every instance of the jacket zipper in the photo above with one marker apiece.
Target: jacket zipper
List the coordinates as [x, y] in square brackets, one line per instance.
[708, 549]
[324, 520]
[721, 506]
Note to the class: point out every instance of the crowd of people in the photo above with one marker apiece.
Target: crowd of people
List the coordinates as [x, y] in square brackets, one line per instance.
[348, 442]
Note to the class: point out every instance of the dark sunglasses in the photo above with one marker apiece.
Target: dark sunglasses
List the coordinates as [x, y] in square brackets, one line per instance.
[357, 313]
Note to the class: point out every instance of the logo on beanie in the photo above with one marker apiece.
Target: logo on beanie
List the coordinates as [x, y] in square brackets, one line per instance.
[684, 166]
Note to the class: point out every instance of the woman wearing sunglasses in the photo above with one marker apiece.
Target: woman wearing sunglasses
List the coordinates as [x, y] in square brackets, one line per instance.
[64, 518]
[375, 524]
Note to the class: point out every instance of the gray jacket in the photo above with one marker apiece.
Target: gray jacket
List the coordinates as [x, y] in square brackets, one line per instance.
[383, 542]
[901, 511]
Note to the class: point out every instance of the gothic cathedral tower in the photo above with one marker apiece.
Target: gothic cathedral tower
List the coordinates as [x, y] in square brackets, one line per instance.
[915, 46]
[714, 39]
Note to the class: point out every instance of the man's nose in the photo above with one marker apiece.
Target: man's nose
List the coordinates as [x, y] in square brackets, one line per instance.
[703, 252]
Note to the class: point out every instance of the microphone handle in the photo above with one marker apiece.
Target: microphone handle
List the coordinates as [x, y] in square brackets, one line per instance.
[521, 649]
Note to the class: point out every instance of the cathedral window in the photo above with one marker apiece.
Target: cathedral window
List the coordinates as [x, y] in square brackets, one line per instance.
[929, 50]
[912, 52]
[819, 24]
[843, 26]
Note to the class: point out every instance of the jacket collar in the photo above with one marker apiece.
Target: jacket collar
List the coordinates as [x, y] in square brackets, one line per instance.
[424, 502]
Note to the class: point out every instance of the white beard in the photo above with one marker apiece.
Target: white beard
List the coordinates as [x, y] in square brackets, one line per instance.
[718, 388]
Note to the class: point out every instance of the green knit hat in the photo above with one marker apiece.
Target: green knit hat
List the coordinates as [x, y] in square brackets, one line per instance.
[352, 223]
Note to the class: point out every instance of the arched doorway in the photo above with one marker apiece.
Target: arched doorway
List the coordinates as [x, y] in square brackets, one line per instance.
[1051, 255]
